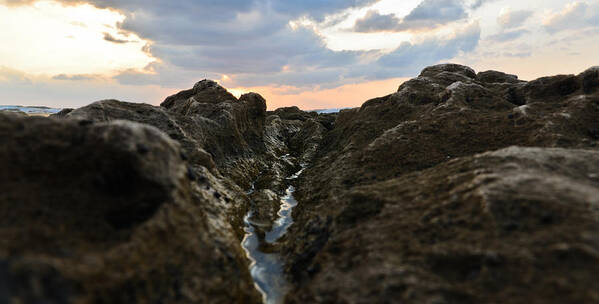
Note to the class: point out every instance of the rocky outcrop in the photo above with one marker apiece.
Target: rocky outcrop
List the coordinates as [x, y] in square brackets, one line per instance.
[148, 178]
[111, 212]
[227, 133]
[516, 225]
[431, 120]
[461, 187]
[399, 206]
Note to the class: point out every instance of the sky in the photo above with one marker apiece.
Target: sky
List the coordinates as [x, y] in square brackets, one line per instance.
[311, 53]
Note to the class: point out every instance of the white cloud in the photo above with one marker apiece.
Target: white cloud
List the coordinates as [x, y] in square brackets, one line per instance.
[47, 37]
[510, 19]
[575, 15]
[428, 14]
[20, 88]
[508, 35]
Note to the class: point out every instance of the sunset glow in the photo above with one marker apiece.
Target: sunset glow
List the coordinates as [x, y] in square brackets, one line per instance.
[50, 38]
[65, 53]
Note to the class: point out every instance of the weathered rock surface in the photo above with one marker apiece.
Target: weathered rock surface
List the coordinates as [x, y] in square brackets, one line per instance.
[398, 206]
[516, 225]
[461, 187]
[131, 217]
[111, 213]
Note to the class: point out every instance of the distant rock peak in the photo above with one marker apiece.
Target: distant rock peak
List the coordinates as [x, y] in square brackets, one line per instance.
[207, 84]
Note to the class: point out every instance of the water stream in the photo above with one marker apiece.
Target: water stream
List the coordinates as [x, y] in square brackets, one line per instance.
[266, 268]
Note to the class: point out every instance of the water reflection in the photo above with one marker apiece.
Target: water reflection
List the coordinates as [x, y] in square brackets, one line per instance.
[267, 268]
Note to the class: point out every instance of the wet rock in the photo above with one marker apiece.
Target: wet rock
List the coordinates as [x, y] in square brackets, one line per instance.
[266, 204]
[88, 218]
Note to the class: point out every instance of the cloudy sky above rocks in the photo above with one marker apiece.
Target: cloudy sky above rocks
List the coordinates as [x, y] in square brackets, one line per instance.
[311, 53]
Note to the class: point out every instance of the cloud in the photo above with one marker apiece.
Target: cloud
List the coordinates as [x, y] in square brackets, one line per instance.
[508, 35]
[430, 13]
[427, 15]
[112, 39]
[316, 8]
[318, 67]
[16, 2]
[13, 76]
[575, 15]
[511, 19]
[476, 4]
[522, 54]
[254, 44]
[78, 77]
[373, 21]
[18, 87]
[409, 58]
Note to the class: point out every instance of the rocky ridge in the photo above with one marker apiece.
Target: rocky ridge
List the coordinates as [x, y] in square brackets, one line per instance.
[461, 187]
[400, 206]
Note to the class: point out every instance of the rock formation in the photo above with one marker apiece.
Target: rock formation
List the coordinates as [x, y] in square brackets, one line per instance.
[399, 206]
[458, 188]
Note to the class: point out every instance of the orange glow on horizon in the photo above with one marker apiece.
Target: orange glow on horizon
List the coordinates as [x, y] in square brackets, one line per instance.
[350, 95]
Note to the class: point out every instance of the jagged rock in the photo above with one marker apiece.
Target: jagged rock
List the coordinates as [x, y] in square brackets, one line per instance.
[306, 141]
[351, 244]
[110, 213]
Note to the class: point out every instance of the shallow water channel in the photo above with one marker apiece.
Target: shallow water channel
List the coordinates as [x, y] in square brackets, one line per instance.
[266, 268]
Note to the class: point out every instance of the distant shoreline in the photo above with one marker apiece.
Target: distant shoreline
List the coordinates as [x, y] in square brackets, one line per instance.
[30, 110]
